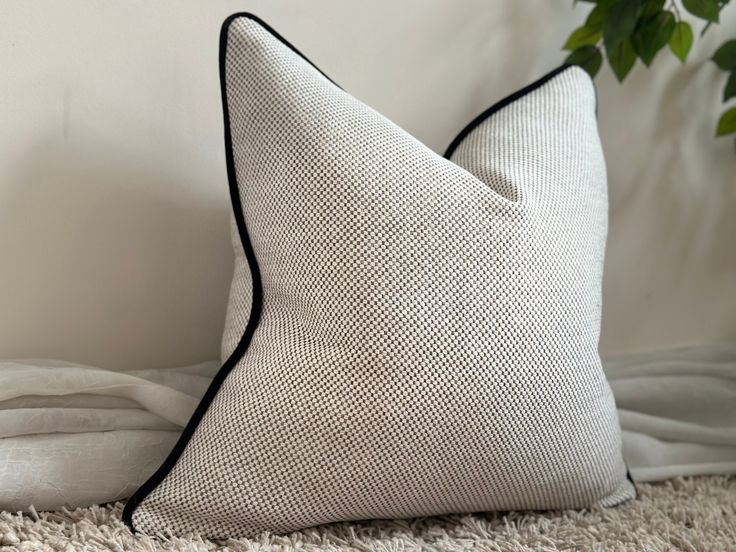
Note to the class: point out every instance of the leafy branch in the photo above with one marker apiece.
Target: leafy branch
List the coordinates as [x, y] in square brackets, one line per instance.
[627, 30]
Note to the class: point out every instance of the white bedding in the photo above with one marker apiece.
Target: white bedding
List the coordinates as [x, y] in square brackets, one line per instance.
[678, 411]
[76, 435]
[73, 435]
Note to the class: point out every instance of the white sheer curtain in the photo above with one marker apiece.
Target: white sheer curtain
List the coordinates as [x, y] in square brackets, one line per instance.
[76, 435]
[678, 411]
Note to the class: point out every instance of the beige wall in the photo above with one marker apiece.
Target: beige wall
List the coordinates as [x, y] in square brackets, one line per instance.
[114, 245]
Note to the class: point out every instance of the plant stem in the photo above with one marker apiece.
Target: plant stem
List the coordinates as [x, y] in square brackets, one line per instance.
[676, 10]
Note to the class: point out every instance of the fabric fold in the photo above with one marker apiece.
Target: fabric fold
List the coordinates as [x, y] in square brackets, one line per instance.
[75, 435]
[677, 409]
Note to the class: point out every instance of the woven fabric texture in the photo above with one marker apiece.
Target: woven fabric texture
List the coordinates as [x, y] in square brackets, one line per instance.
[428, 335]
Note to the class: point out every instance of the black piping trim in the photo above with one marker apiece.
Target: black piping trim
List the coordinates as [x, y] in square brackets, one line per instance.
[257, 301]
[472, 125]
[633, 483]
[271, 30]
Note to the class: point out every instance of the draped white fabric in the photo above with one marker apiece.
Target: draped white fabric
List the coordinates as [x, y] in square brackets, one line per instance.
[677, 409]
[75, 435]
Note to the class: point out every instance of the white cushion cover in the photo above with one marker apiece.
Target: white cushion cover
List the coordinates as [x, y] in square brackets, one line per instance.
[407, 334]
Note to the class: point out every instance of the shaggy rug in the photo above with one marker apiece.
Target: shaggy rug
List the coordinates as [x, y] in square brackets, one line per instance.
[694, 514]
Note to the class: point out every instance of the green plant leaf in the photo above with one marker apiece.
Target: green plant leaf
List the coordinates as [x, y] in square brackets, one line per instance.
[596, 16]
[587, 57]
[594, 20]
[681, 40]
[730, 90]
[704, 9]
[725, 56]
[727, 123]
[622, 58]
[582, 36]
[653, 34]
[619, 22]
[651, 7]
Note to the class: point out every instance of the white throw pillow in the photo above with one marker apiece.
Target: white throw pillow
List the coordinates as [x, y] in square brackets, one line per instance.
[407, 335]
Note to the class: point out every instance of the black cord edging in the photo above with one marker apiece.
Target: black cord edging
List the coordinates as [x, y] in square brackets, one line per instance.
[472, 125]
[257, 300]
[633, 483]
[267, 27]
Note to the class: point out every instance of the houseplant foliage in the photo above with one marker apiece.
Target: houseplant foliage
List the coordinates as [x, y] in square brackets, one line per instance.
[625, 31]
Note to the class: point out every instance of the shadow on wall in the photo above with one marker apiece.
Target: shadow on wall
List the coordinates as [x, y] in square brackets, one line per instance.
[118, 261]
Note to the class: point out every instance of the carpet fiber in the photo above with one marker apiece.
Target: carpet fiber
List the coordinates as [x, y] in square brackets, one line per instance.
[697, 514]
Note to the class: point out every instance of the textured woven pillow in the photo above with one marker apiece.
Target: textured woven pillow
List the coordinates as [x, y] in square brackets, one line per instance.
[407, 334]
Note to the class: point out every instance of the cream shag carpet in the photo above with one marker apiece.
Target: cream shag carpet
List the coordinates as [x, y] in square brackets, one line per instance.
[695, 514]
